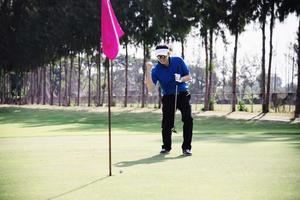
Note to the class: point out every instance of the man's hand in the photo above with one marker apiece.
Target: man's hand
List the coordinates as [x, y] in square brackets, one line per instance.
[148, 79]
[178, 78]
[149, 65]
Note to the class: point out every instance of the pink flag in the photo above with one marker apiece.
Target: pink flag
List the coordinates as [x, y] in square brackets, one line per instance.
[110, 30]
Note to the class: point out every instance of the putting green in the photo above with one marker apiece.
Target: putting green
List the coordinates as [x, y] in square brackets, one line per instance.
[222, 167]
[62, 153]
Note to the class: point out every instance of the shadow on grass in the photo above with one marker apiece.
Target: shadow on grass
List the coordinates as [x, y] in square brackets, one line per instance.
[84, 120]
[296, 145]
[145, 122]
[258, 117]
[153, 159]
[77, 188]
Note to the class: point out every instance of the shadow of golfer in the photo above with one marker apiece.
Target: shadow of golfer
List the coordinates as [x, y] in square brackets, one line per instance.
[77, 188]
[153, 159]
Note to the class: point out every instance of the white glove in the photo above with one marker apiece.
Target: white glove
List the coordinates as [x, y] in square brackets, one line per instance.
[178, 78]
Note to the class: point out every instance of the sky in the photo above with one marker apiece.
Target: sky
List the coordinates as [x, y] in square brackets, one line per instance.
[250, 45]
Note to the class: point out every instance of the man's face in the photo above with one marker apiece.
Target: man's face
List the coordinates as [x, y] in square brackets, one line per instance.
[163, 59]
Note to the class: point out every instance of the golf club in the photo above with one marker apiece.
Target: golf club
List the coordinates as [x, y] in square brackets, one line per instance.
[175, 108]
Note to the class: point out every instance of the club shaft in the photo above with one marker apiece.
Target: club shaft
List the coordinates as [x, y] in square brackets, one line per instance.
[175, 107]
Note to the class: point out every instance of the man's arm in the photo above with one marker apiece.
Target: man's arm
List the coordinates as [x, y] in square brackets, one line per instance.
[183, 79]
[186, 78]
[149, 82]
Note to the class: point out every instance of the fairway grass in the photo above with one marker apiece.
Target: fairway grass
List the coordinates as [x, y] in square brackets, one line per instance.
[63, 154]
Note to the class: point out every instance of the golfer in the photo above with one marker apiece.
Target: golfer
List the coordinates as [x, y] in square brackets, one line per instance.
[172, 74]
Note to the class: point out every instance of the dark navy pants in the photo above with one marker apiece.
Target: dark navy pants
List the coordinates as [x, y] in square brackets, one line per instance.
[183, 104]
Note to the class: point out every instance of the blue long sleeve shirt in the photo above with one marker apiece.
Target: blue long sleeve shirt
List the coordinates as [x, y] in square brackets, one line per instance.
[166, 78]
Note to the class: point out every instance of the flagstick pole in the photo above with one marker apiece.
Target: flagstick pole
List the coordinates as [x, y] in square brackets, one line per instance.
[109, 114]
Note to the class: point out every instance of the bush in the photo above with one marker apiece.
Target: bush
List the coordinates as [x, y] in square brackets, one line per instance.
[211, 104]
[242, 106]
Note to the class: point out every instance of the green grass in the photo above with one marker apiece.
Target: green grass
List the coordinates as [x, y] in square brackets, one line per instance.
[255, 108]
[62, 153]
[27, 122]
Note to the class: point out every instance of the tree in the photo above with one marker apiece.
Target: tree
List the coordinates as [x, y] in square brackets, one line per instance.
[149, 25]
[272, 13]
[210, 15]
[240, 13]
[285, 8]
[261, 14]
[126, 15]
[248, 74]
[183, 13]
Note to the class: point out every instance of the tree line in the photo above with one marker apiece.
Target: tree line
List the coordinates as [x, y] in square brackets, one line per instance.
[37, 36]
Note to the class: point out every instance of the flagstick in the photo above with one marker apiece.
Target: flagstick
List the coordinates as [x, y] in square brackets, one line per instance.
[109, 115]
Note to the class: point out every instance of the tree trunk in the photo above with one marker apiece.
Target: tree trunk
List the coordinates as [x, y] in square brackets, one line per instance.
[111, 65]
[100, 65]
[19, 87]
[143, 78]
[44, 84]
[5, 86]
[263, 61]
[78, 81]
[206, 73]
[38, 86]
[106, 67]
[297, 106]
[126, 76]
[98, 83]
[211, 35]
[99, 86]
[292, 84]
[182, 47]
[51, 82]
[70, 80]
[66, 83]
[32, 75]
[2, 85]
[59, 85]
[25, 88]
[223, 79]
[270, 58]
[34, 85]
[234, 72]
[89, 77]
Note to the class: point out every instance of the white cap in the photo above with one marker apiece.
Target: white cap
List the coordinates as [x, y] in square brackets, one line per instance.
[161, 52]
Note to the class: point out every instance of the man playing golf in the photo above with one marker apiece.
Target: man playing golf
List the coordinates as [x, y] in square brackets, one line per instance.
[172, 74]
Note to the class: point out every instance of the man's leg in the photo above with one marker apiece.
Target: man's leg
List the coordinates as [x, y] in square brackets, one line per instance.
[167, 121]
[186, 111]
